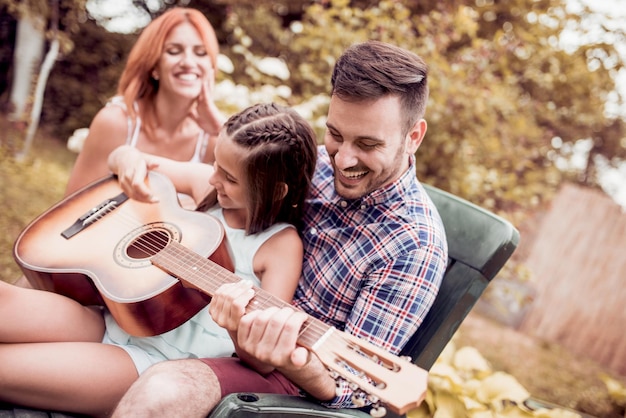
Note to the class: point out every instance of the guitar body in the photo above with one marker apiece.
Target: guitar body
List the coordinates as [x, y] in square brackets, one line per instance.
[98, 252]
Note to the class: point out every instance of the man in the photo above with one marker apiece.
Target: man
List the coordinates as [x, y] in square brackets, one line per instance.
[375, 250]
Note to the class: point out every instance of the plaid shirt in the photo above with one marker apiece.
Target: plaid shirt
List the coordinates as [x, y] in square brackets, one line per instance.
[372, 266]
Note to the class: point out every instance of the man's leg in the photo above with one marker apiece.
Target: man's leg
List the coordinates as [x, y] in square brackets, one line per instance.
[192, 388]
[185, 388]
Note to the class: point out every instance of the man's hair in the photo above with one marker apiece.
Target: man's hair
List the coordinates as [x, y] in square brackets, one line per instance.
[136, 80]
[373, 69]
[281, 149]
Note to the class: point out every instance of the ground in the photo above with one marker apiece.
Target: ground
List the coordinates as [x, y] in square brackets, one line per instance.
[547, 371]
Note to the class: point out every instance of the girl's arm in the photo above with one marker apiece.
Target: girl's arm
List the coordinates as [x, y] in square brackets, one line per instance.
[132, 166]
[278, 263]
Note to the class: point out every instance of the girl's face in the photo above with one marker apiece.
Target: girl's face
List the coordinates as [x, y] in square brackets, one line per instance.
[229, 176]
[185, 63]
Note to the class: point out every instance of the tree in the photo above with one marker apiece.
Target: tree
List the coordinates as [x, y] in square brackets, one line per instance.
[508, 101]
[32, 16]
[504, 91]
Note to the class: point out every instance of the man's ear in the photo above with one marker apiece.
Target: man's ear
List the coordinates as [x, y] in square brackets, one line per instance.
[280, 191]
[415, 136]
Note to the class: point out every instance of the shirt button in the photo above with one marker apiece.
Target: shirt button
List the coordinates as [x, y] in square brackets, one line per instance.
[343, 203]
[313, 231]
[363, 206]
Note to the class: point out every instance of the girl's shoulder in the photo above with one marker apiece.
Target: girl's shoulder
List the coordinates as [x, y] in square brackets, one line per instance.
[281, 238]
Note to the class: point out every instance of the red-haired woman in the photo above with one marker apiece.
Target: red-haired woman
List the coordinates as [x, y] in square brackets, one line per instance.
[163, 105]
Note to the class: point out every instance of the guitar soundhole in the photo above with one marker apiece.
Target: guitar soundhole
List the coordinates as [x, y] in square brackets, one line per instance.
[137, 247]
[148, 244]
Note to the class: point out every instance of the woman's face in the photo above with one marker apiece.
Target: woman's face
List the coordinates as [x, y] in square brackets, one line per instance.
[185, 64]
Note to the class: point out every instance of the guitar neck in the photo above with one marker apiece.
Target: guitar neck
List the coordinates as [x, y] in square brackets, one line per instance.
[368, 368]
[207, 276]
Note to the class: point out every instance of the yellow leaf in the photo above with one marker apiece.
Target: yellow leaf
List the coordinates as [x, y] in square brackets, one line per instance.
[419, 412]
[469, 359]
[501, 386]
[449, 406]
[617, 391]
[443, 376]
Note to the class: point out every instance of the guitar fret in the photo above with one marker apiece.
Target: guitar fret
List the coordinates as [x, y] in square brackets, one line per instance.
[208, 276]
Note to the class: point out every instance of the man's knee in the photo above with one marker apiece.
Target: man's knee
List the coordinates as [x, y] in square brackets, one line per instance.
[171, 381]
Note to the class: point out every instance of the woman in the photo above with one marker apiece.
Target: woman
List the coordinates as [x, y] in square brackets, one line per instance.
[50, 346]
[163, 104]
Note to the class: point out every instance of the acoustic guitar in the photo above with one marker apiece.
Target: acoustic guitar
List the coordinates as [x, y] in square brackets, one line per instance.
[155, 265]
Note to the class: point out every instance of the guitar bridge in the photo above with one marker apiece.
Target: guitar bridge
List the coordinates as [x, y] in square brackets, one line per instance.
[93, 215]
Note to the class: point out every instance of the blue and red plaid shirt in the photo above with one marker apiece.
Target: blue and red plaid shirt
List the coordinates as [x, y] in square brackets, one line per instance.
[372, 266]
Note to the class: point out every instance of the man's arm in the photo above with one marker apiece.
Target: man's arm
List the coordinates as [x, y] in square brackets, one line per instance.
[270, 337]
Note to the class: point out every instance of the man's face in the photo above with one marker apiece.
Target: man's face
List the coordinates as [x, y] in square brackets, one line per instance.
[366, 144]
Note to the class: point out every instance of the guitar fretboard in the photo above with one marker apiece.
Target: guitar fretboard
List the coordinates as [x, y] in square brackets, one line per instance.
[207, 276]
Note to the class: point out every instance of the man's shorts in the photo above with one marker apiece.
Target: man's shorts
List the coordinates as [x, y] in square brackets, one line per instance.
[235, 376]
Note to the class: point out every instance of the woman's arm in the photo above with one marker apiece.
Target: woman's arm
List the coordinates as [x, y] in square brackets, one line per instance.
[132, 166]
[107, 131]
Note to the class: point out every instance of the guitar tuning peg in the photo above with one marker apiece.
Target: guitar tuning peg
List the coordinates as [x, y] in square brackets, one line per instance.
[358, 398]
[378, 411]
[407, 358]
[373, 399]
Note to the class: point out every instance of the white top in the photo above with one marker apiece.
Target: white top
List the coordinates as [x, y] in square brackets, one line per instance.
[200, 336]
[134, 128]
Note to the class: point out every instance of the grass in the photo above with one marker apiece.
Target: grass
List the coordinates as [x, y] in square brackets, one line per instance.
[27, 187]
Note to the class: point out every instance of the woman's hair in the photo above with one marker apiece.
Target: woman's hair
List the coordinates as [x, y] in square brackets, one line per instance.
[373, 69]
[281, 149]
[136, 80]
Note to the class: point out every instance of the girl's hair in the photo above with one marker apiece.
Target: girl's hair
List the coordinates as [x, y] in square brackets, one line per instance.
[281, 149]
[136, 81]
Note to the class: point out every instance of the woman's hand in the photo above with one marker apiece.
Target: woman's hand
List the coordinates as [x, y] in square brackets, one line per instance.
[205, 112]
[132, 167]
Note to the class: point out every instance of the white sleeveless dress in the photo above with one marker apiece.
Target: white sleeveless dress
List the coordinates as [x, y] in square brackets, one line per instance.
[200, 336]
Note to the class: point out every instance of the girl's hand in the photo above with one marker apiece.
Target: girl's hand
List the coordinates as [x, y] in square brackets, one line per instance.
[229, 303]
[131, 167]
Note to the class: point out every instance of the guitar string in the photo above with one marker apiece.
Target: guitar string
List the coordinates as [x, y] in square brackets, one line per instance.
[194, 265]
[154, 244]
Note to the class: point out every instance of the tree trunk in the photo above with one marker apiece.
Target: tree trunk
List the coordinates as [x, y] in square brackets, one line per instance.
[29, 46]
[35, 114]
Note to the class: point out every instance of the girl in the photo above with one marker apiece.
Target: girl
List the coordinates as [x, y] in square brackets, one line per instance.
[50, 349]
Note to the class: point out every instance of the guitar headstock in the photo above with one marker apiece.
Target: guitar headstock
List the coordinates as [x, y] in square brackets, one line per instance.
[373, 372]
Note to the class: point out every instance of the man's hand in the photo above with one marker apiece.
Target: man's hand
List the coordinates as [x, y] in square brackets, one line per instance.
[270, 336]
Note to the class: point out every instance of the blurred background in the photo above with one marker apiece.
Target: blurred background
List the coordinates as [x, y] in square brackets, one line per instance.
[525, 118]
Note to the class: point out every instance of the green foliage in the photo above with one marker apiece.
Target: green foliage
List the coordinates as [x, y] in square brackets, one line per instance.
[502, 87]
[82, 82]
[27, 188]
